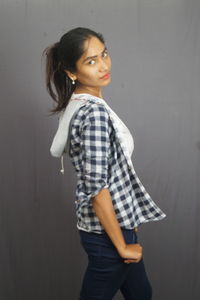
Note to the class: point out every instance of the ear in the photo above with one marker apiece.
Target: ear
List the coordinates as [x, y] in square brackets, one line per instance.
[70, 75]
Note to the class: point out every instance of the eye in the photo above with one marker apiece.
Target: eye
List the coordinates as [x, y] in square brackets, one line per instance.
[105, 53]
[91, 61]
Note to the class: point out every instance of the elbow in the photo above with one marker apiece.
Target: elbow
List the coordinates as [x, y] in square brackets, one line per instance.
[102, 194]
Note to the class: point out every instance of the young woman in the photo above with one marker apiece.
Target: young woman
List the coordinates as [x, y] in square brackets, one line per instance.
[111, 202]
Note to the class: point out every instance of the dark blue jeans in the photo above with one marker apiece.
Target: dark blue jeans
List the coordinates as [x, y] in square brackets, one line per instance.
[106, 272]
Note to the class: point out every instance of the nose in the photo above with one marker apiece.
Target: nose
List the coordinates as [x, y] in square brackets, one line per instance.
[103, 66]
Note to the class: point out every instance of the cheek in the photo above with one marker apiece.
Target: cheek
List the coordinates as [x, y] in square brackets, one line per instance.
[88, 75]
[91, 73]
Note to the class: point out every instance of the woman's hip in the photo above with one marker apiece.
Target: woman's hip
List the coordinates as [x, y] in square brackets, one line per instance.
[100, 245]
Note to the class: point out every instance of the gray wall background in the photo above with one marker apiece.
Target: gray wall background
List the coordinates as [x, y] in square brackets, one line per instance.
[155, 51]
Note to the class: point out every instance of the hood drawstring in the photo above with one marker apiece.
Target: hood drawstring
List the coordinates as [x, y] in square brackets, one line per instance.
[62, 170]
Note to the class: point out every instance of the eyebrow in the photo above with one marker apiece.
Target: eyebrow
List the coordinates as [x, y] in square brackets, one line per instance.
[89, 57]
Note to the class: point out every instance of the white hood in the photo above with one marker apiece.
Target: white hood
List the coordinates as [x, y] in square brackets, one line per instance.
[61, 136]
[60, 142]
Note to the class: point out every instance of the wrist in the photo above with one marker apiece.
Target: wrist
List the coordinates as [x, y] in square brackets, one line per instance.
[121, 248]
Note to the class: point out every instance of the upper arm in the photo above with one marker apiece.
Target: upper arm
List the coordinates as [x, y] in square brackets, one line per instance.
[95, 147]
[95, 136]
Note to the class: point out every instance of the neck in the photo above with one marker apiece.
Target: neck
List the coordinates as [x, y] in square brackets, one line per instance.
[89, 90]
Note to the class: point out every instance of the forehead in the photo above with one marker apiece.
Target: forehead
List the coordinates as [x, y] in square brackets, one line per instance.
[92, 46]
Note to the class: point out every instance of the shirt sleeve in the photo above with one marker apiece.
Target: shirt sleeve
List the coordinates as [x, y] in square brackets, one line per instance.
[95, 141]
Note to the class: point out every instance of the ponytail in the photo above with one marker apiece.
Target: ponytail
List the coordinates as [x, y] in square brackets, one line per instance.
[57, 77]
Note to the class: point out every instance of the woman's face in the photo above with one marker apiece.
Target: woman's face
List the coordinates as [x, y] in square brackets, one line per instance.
[90, 70]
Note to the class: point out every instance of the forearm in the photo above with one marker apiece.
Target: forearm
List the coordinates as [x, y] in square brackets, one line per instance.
[102, 204]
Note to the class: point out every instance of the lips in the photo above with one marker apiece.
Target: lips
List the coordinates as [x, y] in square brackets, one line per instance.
[105, 76]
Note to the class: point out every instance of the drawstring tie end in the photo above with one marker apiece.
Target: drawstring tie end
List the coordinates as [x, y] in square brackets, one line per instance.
[62, 170]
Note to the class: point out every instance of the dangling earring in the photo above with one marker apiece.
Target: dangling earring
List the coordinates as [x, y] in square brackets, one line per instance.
[73, 82]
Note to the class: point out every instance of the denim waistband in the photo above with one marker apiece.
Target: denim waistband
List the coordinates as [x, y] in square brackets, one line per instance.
[130, 237]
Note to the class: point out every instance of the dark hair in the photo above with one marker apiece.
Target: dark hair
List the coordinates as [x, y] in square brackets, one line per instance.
[61, 56]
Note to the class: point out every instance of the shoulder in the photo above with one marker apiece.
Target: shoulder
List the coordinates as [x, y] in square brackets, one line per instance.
[92, 111]
[96, 111]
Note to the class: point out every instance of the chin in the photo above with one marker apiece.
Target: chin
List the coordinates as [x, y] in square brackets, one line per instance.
[107, 82]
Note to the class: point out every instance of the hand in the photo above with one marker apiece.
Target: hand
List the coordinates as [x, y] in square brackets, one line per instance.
[131, 253]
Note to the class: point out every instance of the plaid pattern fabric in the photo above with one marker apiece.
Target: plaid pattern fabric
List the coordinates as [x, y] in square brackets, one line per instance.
[98, 156]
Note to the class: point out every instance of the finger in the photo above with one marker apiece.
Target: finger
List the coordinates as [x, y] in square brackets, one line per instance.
[132, 262]
[128, 261]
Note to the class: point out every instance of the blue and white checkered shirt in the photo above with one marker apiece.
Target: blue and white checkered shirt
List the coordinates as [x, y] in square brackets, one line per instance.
[101, 159]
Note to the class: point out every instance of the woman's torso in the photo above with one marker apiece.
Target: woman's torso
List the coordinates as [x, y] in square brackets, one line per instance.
[131, 202]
